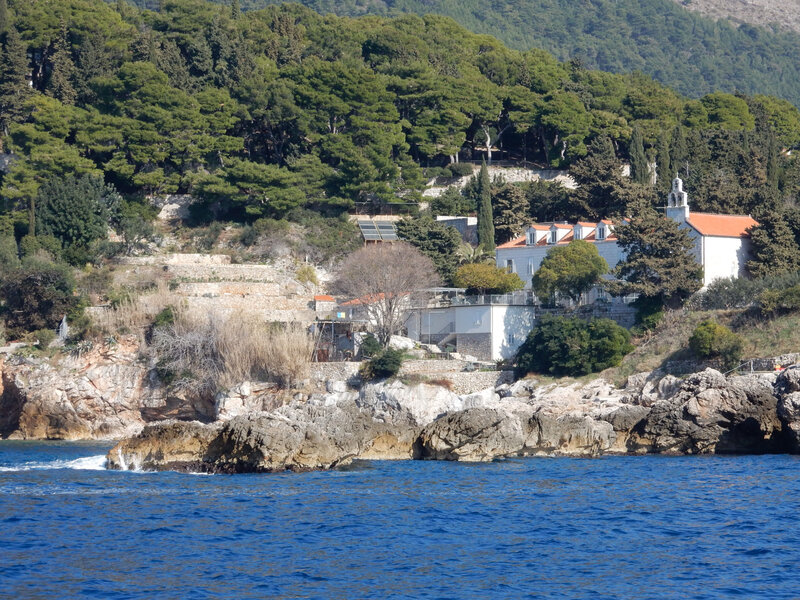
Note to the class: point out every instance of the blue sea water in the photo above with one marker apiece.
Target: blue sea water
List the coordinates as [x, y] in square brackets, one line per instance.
[617, 527]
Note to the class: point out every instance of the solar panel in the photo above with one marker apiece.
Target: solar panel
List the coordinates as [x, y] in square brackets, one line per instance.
[368, 230]
[387, 230]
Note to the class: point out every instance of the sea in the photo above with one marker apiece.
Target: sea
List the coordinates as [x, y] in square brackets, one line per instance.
[615, 527]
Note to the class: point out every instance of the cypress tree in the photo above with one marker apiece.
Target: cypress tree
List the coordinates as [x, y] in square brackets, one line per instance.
[62, 69]
[14, 88]
[640, 172]
[236, 9]
[485, 222]
[678, 152]
[664, 168]
[772, 159]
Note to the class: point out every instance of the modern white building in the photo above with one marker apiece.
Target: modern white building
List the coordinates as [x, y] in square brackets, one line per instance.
[486, 327]
[721, 242]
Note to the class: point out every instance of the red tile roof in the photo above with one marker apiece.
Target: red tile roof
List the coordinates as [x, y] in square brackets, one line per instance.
[722, 225]
[324, 298]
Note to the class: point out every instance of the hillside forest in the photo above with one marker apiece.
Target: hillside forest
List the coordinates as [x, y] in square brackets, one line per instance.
[691, 53]
[281, 117]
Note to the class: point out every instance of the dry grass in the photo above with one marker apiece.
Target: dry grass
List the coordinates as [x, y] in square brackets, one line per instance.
[135, 314]
[217, 351]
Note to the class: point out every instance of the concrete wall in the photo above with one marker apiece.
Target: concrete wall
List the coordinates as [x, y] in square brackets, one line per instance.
[510, 327]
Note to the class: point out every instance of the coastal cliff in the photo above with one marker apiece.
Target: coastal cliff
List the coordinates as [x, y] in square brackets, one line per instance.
[705, 413]
[111, 392]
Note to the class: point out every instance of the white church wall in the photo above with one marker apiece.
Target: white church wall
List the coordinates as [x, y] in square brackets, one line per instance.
[724, 257]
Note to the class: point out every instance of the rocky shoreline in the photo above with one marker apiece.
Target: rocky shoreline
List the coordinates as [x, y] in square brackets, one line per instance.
[705, 413]
[255, 428]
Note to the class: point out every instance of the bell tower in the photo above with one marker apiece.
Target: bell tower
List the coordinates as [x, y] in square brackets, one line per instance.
[678, 202]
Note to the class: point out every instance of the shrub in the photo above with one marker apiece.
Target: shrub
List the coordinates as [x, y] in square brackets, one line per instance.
[370, 346]
[486, 279]
[649, 313]
[384, 365]
[712, 340]
[572, 346]
[165, 317]
[42, 338]
[775, 302]
[37, 296]
[460, 169]
[742, 292]
[307, 274]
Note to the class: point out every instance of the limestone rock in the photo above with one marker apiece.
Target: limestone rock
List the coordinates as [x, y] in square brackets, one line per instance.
[421, 403]
[167, 445]
[106, 393]
[568, 435]
[474, 435]
[710, 413]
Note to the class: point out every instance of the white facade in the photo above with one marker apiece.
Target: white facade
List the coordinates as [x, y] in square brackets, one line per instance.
[524, 256]
[486, 331]
[721, 242]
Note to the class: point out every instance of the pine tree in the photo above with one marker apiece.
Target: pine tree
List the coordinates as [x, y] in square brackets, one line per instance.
[485, 222]
[772, 159]
[774, 248]
[663, 165]
[62, 70]
[236, 9]
[14, 88]
[640, 172]
[658, 260]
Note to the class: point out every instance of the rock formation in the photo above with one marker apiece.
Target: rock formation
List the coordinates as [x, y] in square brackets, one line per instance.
[106, 393]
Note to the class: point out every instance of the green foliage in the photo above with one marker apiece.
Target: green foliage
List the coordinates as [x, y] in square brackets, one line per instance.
[640, 172]
[42, 337]
[36, 296]
[572, 346]
[743, 292]
[76, 211]
[164, 318]
[509, 206]
[383, 365]
[460, 169]
[658, 261]
[775, 249]
[485, 215]
[480, 278]
[435, 240]
[570, 270]
[307, 274]
[370, 346]
[452, 203]
[712, 340]
[649, 313]
[776, 302]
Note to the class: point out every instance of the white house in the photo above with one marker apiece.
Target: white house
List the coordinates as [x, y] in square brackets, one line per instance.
[492, 328]
[721, 242]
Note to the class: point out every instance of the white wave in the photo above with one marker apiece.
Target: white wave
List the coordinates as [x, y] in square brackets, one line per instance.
[86, 463]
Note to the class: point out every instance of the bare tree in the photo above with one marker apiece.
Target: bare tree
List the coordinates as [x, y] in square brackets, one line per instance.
[386, 279]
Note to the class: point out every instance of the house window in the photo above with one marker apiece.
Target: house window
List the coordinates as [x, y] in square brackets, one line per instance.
[509, 266]
[577, 233]
[531, 238]
[601, 233]
[553, 237]
[530, 266]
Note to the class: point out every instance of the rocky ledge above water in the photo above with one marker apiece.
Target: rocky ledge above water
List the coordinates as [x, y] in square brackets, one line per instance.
[704, 413]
